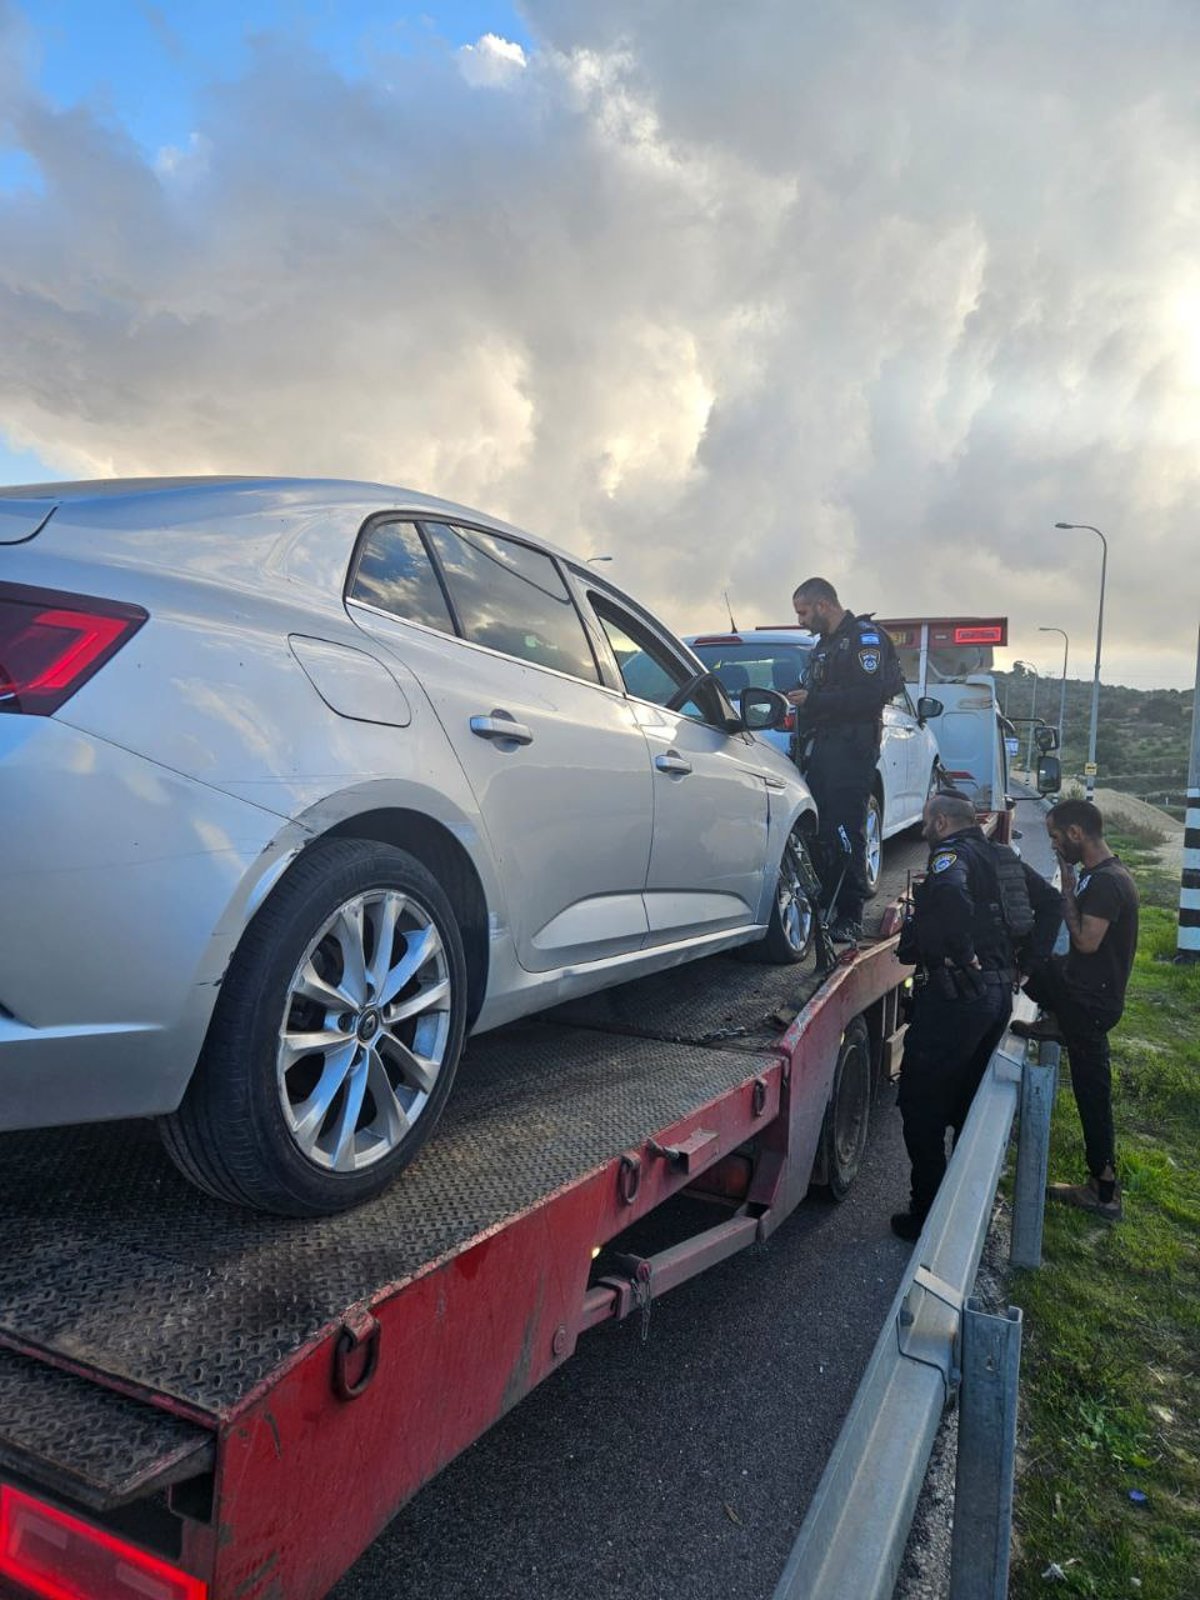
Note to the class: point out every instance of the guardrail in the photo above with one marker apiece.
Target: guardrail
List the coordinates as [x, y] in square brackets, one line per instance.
[934, 1342]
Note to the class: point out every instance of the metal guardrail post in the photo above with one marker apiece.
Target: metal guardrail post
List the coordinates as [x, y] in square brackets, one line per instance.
[987, 1443]
[1039, 1084]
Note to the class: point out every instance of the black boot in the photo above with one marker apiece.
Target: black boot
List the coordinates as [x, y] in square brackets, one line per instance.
[907, 1225]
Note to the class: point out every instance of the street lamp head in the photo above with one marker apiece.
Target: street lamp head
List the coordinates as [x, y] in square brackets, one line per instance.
[1066, 524]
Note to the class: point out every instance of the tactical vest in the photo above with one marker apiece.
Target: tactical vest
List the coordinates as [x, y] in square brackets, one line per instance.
[1003, 916]
[1015, 904]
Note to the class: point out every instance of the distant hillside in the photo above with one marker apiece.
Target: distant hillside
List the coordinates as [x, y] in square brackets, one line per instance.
[1142, 735]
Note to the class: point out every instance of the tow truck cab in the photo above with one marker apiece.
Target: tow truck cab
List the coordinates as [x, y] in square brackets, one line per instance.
[950, 659]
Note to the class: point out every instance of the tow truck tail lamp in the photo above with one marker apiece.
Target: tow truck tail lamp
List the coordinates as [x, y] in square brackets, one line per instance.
[51, 644]
[57, 1557]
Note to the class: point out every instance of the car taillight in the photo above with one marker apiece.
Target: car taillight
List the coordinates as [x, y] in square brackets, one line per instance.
[51, 644]
[58, 1557]
[789, 722]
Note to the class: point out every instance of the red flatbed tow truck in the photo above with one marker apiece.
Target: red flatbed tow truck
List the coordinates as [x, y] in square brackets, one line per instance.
[201, 1403]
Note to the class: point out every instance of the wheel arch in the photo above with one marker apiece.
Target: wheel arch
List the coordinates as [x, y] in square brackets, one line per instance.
[436, 847]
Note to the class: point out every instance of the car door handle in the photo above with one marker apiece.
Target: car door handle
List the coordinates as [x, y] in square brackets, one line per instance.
[501, 727]
[672, 763]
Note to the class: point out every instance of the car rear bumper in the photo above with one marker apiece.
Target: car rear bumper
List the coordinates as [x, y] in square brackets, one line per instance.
[123, 890]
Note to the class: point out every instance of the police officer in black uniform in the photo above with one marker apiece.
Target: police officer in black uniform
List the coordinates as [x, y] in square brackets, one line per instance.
[957, 935]
[850, 676]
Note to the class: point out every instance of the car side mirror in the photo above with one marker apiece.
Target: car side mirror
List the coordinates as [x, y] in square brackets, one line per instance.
[1049, 775]
[1046, 739]
[762, 709]
[928, 707]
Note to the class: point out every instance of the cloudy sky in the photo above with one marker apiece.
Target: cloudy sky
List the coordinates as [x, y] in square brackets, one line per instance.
[732, 293]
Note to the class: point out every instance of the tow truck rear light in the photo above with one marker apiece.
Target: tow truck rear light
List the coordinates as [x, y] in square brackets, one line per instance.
[58, 1557]
[51, 644]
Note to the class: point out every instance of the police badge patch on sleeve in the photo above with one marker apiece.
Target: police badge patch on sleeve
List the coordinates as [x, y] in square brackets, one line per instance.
[943, 859]
[869, 660]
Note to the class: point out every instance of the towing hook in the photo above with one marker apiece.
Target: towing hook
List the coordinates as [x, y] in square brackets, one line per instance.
[362, 1334]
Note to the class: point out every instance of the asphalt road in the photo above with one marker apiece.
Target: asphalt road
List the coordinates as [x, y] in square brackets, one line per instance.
[681, 1466]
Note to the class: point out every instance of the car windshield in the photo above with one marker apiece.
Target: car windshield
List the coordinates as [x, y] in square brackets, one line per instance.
[748, 663]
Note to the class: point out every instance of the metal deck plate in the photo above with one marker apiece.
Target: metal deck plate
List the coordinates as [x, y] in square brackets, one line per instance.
[720, 1000]
[88, 1443]
[114, 1261]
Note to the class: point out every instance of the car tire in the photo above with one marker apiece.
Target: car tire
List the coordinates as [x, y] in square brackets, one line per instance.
[793, 921]
[848, 1115]
[308, 1133]
[873, 830]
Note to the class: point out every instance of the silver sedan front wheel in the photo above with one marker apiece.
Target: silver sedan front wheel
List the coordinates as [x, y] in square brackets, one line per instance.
[793, 922]
[365, 1031]
[874, 833]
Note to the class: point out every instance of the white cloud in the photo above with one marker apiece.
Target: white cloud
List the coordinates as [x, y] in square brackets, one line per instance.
[491, 62]
[735, 294]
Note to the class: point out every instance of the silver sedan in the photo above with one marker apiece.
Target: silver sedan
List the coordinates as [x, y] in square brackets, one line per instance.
[304, 782]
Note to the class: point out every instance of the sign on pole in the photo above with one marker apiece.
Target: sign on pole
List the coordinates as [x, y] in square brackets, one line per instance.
[1188, 943]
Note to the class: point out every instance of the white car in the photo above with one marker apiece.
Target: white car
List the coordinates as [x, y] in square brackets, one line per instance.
[303, 782]
[906, 772]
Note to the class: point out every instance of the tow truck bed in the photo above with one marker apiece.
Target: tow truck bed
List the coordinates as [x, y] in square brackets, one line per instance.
[204, 1382]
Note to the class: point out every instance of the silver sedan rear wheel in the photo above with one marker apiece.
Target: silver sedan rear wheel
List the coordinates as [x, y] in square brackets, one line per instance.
[366, 1026]
[335, 1038]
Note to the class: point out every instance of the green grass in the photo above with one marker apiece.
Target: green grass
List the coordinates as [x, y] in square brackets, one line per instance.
[1111, 1361]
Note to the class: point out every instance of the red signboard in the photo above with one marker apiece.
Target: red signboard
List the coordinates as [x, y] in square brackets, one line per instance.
[906, 631]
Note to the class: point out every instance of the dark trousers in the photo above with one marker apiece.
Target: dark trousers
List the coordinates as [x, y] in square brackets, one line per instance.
[1084, 1023]
[946, 1051]
[840, 771]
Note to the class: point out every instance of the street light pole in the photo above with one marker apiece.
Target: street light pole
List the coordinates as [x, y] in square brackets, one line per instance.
[1089, 784]
[1029, 667]
[1062, 699]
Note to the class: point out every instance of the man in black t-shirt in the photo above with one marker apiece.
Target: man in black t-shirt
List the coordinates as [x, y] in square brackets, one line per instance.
[1085, 989]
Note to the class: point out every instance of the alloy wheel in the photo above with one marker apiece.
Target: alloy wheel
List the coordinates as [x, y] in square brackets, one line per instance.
[795, 909]
[365, 1031]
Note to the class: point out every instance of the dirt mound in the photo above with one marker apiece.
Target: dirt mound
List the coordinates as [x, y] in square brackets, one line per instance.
[1112, 801]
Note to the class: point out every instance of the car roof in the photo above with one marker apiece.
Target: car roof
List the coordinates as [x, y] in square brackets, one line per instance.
[190, 498]
[798, 636]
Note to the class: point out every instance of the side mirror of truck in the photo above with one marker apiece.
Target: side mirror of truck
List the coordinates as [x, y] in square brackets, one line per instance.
[928, 707]
[1049, 775]
[1046, 739]
[762, 709]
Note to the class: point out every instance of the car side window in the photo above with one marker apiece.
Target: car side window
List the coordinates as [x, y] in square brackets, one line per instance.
[512, 598]
[902, 702]
[648, 669]
[395, 573]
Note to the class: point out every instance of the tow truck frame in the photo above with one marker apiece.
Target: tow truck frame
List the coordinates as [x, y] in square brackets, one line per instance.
[227, 1406]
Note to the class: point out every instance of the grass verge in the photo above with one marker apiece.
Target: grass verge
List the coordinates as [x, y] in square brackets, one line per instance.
[1109, 1453]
